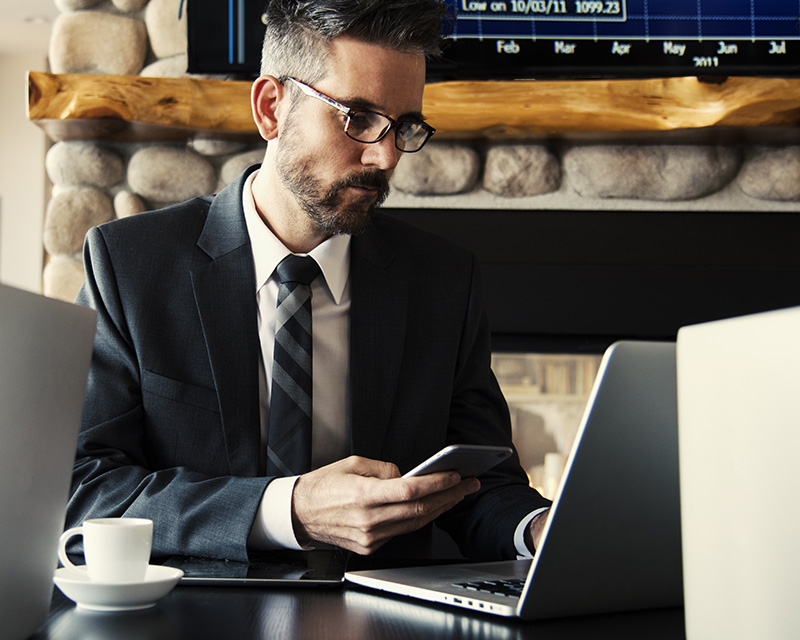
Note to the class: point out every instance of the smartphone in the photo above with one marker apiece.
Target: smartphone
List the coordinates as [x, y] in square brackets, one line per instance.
[469, 460]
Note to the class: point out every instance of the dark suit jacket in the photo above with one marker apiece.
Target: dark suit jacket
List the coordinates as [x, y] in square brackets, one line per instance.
[171, 422]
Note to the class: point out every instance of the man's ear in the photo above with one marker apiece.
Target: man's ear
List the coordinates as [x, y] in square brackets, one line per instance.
[265, 95]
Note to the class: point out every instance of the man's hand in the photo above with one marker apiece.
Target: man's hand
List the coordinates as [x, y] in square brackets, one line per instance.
[360, 504]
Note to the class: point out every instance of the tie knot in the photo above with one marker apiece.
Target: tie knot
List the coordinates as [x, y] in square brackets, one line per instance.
[301, 269]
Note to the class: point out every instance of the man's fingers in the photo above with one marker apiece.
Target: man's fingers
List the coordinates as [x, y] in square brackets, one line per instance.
[360, 504]
[381, 524]
[409, 515]
[400, 490]
[368, 468]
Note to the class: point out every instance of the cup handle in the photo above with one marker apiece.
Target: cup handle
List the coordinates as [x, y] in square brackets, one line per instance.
[62, 545]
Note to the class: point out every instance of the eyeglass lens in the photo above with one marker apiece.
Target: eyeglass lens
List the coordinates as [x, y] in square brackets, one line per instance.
[369, 127]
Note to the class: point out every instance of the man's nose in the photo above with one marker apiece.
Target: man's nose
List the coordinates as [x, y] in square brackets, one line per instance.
[382, 155]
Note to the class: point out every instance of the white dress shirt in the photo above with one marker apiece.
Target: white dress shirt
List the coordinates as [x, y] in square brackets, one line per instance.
[330, 307]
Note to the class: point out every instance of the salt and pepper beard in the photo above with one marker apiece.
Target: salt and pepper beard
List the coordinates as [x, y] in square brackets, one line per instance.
[326, 208]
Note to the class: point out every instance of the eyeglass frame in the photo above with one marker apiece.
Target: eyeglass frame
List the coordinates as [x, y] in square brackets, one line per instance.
[308, 90]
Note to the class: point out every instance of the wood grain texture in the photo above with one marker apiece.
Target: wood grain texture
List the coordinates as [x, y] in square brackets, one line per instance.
[71, 106]
[134, 107]
[665, 104]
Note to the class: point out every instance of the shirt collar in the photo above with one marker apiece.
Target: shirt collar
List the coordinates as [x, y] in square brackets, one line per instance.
[332, 255]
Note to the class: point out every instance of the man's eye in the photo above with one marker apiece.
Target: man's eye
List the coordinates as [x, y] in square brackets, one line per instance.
[360, 121]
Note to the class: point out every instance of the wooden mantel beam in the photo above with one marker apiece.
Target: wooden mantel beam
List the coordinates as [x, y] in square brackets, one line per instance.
[69, 106]
[597, 106]
[75, 106]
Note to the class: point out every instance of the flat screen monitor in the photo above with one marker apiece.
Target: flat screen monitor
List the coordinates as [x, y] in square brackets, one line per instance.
[225, 36]
[526, 39]
[510, 39]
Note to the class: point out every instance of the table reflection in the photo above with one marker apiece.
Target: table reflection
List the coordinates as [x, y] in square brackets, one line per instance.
[415, 620]
[245, 613]
[150, 624]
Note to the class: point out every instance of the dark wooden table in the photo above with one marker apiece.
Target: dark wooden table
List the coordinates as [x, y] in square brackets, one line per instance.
[244, 613]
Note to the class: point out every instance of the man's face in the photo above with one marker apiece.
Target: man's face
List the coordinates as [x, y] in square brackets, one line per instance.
[339, 182]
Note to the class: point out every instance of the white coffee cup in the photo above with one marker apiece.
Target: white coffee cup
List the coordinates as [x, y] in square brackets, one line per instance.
[117, 550]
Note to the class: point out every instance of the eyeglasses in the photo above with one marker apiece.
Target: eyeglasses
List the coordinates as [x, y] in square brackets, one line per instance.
[371, 126]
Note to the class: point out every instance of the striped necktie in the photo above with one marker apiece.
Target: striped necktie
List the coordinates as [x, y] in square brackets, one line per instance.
[289, 439]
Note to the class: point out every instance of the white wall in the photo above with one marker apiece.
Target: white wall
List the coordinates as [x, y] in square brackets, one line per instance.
[23, 179]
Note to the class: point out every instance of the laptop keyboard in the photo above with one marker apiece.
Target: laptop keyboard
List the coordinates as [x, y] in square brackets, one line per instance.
[511, 587]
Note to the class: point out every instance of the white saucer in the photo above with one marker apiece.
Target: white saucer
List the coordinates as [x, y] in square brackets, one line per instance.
[97, 596]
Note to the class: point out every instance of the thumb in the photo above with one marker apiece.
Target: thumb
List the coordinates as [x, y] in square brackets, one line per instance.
[371, 468]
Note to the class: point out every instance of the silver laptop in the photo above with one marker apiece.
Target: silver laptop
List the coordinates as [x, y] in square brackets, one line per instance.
[613, 538]
[45, 350]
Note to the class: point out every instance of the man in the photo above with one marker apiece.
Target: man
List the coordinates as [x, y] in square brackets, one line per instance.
[176, 425]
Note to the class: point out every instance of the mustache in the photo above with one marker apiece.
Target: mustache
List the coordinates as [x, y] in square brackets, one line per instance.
[368, 179]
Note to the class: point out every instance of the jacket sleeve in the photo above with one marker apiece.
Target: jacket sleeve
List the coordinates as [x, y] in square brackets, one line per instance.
[116, 472]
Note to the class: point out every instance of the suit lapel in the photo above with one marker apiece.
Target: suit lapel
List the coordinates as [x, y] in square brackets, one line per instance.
[378, 315]
[224, 292]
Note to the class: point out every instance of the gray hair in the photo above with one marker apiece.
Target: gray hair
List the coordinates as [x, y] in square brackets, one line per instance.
[298, 32]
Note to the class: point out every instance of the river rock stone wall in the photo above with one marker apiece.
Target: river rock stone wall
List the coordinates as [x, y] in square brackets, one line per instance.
[97, 181]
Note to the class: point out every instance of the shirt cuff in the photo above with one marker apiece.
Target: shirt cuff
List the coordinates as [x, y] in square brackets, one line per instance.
[272, 528]
[519, 534]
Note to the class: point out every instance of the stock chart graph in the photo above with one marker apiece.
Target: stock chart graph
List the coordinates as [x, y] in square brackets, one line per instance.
[625, 37]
